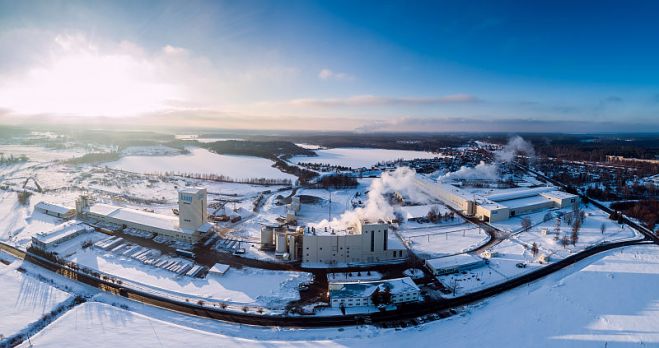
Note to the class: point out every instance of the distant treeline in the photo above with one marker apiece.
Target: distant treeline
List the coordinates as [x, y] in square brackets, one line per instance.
[392, 141]
[95, 157]
[120, 139]
[12, 159]
[337, 181]
[647, 211]
[266, 149]
[594, 148]
[303, 175]
[224, 178]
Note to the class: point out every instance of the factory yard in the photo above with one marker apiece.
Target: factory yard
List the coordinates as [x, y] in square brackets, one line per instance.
[250, 286]
[430, 242]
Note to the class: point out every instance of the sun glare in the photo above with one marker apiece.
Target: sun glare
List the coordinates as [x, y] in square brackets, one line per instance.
[87, 83]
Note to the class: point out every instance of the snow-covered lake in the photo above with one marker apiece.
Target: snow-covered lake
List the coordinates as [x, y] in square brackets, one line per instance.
[202, 161]
[361, 157]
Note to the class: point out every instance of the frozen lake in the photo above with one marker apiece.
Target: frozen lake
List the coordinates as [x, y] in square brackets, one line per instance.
[202, 161]
[361, 157]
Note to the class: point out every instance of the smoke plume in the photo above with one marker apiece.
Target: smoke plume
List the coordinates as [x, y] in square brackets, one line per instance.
[515, 145]
[402, 180]
[489, 171]
[480, 171]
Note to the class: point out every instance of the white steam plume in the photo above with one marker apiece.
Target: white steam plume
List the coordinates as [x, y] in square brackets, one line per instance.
[489, 171]
[402, 180]
[480, 171]
[515, 146]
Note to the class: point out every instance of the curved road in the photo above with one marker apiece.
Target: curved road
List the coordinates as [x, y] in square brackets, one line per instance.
[405, 312]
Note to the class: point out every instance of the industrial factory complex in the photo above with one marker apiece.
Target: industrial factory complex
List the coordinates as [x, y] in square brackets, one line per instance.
[365, 243]
[499, 206]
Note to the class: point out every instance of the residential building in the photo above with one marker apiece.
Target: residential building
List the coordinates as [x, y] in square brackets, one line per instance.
[360, 294]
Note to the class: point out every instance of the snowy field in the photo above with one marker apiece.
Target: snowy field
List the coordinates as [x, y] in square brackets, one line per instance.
[435, 240]
[272, 289]
[23, 299]
[590, 233]
[517, 249]
[39, 153]
[204, 162]
[501, 267]
[360, 157]
[18, 223]
[608, 300]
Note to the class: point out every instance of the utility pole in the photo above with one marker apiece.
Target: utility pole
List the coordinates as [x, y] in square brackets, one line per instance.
[329, 213]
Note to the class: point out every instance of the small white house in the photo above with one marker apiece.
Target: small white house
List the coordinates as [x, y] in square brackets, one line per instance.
[360, 294]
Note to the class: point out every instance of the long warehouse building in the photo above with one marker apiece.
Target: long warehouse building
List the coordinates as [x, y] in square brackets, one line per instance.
[189, 226]
[499, 206]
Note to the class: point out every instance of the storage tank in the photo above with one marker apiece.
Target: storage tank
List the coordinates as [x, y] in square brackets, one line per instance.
[280, 243]
[292, 247]
[267, 238]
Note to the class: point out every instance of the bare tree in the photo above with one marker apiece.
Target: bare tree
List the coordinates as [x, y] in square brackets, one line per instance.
[526, 223]
[433, 213]
[574, 237]
[565, 241]
[603, 227]
[534, 249]
[557, 227]
[547, 217]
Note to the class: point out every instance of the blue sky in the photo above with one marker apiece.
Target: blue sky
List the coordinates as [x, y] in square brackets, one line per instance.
[336, 65]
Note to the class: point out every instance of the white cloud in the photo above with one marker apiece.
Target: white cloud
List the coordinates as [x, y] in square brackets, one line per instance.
[328, 74]
[371, 100]
[72, 74]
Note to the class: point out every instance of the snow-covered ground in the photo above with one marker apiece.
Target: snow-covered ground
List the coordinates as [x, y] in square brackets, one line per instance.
[23, 299]
[590, 233]
[272, 289]
[360, 157]
[517, 249]
[202, 161]
[435, 240]
[37, 153]
[605, 301]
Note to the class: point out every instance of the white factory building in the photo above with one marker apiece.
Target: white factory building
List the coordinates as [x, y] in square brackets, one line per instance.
[368, 243]
[502, 205]
[360, 294]
[55, 210]
[59, 234]
[189, 226]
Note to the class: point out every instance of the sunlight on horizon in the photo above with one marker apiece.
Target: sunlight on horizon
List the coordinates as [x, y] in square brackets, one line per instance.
[80, 80]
